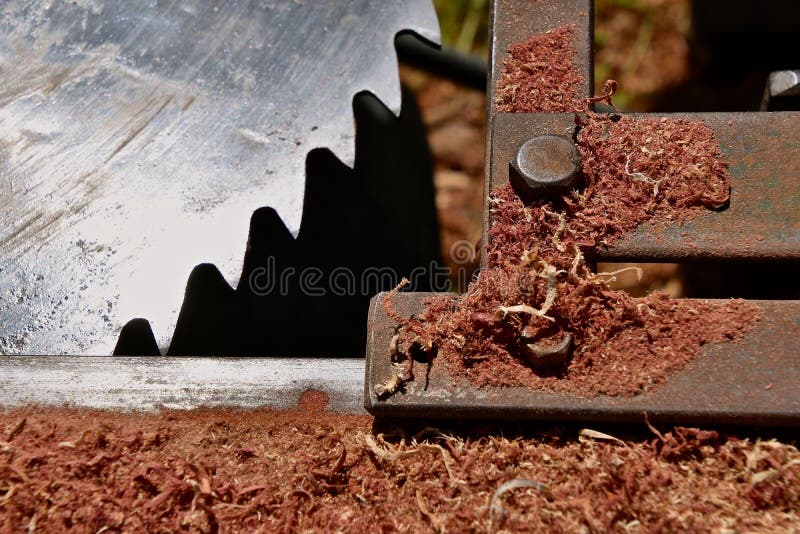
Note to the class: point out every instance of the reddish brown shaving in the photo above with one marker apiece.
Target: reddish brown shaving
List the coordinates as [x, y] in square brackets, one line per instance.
[540, 75]
[536, 287]
[312, 471]
[636, 170]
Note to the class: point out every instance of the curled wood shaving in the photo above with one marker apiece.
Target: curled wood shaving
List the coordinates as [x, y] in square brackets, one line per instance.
[385, 454]
[388, 306]
[765, 476]
[389, 387]
[16, 429]
[9, 494]
[594, 434]
[496, 507]
[640, 177]
[559, 231]
[445, 457]
[576, 263]
[435, 520]
[396, 381]
[550, 272]
[612, 275]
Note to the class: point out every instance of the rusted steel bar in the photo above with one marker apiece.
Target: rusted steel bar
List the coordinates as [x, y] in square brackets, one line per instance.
[753, 381]
[148, 384]
[513, 21]
[762, 222]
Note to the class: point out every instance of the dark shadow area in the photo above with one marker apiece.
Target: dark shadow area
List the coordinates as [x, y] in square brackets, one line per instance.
[137, 338]
[735, 44]
[718, 280]
[746, 281]
[394, 430]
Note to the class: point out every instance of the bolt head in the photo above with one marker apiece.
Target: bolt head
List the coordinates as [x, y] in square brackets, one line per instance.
[547, 357]
[544, 166]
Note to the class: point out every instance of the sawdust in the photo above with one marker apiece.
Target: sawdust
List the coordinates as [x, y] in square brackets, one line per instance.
[539, 75]
[536, 286]
[265, 471]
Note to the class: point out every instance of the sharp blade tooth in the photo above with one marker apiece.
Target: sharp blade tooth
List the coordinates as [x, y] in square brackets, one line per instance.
[426, 22]
[386, 86]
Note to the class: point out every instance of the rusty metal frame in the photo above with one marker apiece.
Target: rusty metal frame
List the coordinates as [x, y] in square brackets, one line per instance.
[753, 381]
[762, 222]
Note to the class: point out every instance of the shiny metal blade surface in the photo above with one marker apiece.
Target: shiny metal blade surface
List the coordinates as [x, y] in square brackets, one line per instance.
[137, 138]
[151, 384]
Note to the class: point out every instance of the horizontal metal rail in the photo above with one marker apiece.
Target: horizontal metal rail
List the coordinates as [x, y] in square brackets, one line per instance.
[752, 381]
[155, 383]
[762, 222]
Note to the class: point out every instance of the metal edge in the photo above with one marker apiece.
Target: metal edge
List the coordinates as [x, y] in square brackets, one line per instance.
[151, 384]
[752, 381]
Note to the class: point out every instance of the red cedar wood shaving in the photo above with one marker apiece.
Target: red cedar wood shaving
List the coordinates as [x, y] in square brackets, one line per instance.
[303, 470]
[539, 75]
[645, 171]
[637, 171]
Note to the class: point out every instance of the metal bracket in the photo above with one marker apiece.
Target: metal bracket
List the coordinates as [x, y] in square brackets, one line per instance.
[753, 381]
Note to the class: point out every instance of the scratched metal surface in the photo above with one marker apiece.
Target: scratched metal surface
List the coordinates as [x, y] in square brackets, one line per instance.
[151, 384]
[751, 381]
[137, 138]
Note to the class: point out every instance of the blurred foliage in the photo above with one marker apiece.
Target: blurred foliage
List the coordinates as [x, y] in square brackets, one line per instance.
[640, 43]
[643, 44]
[465, 24]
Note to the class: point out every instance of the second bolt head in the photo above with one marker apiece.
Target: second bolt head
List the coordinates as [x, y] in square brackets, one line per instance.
[545, 165]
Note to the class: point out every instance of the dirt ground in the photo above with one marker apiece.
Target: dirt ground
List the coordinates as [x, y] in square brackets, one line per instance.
[311, 470]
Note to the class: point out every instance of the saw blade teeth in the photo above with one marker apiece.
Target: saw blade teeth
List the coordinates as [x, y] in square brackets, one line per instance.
[211, 117]
[426, 24]
[389, 91]
[347, 151]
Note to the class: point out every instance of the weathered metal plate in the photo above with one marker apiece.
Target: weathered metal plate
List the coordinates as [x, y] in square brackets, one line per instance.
[151, 384]
[138, 138]
[753, 381]
[762, 222]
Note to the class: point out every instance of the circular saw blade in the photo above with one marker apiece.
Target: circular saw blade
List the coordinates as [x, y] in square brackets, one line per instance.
[137, 138]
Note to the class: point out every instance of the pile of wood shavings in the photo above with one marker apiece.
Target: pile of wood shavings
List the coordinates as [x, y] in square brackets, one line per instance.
[536, 286]
[226, 471]
[539, 75]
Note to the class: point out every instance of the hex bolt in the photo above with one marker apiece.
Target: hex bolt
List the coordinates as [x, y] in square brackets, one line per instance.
[548, 357]
[545, 165]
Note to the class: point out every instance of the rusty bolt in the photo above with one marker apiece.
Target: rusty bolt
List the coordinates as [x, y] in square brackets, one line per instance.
[545, 165]
[543, 357]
